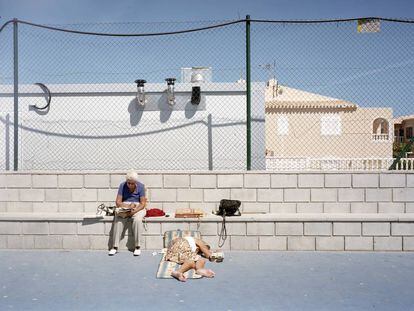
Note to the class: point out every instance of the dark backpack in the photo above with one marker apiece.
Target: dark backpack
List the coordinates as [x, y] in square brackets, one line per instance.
[229, 208]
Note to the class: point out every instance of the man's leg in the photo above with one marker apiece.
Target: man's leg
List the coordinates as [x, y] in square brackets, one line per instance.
[137, 227]
[119, 224]
[199, 266]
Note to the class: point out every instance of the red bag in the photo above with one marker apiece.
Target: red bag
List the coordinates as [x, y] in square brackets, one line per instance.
[154, 212]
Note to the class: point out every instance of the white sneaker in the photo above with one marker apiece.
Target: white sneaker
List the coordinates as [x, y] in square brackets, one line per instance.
[112, 251]
[137, 252]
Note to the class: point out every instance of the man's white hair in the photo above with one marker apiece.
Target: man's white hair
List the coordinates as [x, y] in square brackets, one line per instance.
[132, 175]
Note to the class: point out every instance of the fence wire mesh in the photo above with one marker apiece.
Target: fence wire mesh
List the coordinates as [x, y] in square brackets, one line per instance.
[324, 96]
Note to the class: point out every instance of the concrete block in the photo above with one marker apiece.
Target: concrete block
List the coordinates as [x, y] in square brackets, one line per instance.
[301, 243]
[309, 208]
[70, 181]
[392, 180]
[44, 181]
[3, 242]
[176, 181]
[260, 228]
[376, 228]
[257, 180]
[19, 207]
[347, 228]
[390, 207]
[272, 243]
[108, 228]
[244, 195]
[318, 228]
[163, 195]
[323, 195]
[171, 207]
[20, 241]
[48, 242]
[117, 179]
[190, 195]
[351, 195]
[151, 228]
[270, 195]
[102, 242]
[409, 207]
[365, 180]
[90, 227]
[358, 243]
[364, 208]
[203, 181]
[154, 242]
[77, 207]
[403, 194]
[84, 195]
[408, 243]
[311, 180]
[3, 207]
[96, 181]
[7, 195]
[338, 208]
[10, 227]
[402, 228]
[297, 195]
[58, 195]
[150, 181]
[230, 181]
[19, 181]
[63, 228]
[234, 228]
[35, 228]
[167, 226]
[76, 242]
[3, 180]
[31, 195]
[45, 207]
[215, 195]
[284, 180]
[255, 208]
[289, 228]
[283, 208]
[107, 195]
[338, 180]
[388, 243]
[378, 195]
[248, 243]
[213, 241]
[206, 207]
[410, 180]
[206, 228]
[336, 243]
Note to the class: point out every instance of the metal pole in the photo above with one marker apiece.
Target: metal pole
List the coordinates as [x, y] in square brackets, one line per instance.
[248, 95]
[16, 97]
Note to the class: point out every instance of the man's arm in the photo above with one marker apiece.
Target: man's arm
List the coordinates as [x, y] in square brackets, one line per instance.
[137, 207]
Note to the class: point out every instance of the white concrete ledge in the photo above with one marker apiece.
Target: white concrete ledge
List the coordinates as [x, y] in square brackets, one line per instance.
[325, 217]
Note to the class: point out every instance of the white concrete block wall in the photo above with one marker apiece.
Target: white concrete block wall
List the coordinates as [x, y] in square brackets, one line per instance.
[261, 192]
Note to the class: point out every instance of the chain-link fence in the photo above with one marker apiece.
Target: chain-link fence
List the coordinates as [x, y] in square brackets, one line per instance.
[327, 95]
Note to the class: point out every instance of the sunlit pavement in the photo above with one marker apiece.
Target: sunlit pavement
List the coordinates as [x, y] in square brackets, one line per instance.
[91, 280]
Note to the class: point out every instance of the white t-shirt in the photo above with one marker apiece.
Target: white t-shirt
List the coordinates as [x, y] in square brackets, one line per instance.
[192, 243]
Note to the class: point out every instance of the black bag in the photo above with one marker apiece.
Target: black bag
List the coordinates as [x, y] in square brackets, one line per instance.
[229, 208]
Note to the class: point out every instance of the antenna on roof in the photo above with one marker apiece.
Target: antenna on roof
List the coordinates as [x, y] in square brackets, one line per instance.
[270, 68]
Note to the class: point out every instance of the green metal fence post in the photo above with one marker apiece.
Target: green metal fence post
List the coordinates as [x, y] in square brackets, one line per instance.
[248, 96]
[16, 96]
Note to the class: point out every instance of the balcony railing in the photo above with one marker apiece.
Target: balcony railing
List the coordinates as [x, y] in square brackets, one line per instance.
[336, 164]
[380, 137]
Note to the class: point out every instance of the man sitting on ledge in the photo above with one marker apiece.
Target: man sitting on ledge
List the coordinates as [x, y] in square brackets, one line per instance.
[131, 194]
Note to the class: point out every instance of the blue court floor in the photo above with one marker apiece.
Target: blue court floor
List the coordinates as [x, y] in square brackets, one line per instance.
[91, 280]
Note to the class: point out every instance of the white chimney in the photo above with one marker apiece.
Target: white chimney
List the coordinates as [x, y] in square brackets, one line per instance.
[196, 74]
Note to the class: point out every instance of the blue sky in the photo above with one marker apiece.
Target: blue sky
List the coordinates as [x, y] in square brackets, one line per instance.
[81, 11]
[368, 69]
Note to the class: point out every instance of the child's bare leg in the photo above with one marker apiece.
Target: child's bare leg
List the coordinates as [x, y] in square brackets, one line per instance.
[179, 274]
[202, 271]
